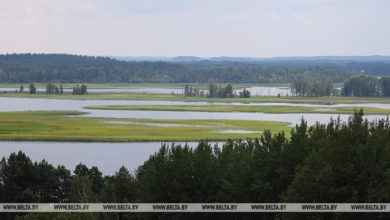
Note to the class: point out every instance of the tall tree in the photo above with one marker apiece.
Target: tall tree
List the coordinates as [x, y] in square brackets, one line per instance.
[32, 89]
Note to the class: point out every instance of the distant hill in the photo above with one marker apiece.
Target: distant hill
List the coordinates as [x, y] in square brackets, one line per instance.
[186, 59]
[26, 68]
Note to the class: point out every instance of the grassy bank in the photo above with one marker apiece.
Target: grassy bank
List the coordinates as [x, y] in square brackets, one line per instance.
[58, 126]
[242, 108]
[169, 97]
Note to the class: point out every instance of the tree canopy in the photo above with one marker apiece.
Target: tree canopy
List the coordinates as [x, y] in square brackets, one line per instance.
[334, 162]
[366, 86]
[62, 68]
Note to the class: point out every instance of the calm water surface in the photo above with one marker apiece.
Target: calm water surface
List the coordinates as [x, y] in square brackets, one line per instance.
[108, 157]
[255, 91]
[112, 90]
[26, 104]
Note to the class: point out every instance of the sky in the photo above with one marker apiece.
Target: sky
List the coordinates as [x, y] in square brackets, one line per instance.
[205, 28]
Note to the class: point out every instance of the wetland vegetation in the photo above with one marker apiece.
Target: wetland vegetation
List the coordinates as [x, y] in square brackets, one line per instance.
[338, 162]
[326, 100]
[61, 126]
[243, 108]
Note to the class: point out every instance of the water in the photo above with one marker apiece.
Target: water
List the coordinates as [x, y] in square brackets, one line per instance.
[255, 91]
[109, 90]
[139, 90]
[292, 118]
[267, 91]
[26, 104]
[108, 157]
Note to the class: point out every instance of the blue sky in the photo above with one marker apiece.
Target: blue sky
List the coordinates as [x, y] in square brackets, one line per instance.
[245, 28]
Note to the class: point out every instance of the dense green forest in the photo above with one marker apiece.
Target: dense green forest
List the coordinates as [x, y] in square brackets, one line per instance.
[61, 68]
[214, 91]
[367, 86]
[338, 162]
[370, 65]
[311, 87]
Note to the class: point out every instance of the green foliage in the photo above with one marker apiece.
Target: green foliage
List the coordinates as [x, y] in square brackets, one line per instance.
[311, 88]
[32, 88]
[55, 126]
[213, 91]
[25, 68]
[24, 181]
[335, 162]
[80, 90]
[367, 86]
[244, 94]
[348, 162]
[243, 108]
[385, 85]
[361, 86]
[52, 89]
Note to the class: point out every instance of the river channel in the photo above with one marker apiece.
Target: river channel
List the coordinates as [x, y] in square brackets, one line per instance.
[109, 157]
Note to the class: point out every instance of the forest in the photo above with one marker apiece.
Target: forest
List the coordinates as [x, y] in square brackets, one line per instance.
[335, 162]
[311, 88]
[62, 68]
[214, 91]
[367, 86]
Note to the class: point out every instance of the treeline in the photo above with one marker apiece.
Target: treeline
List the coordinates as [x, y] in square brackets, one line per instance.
[61, 68]
[80, 90]
[338, 162]
[366, 86]
[310, 87]
[52, 88]
[214, 91]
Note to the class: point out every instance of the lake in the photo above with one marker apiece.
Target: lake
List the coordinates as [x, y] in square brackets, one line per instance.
[110, 90]
[108, 157]
[267, 91]
[26, 104]
[255, 90]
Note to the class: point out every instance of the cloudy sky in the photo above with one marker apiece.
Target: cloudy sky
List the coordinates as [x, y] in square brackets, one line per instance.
[240, 28]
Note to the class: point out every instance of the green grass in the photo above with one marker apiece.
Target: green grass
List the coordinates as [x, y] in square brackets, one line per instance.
[58, 126]
[169, 97]
[242, 108]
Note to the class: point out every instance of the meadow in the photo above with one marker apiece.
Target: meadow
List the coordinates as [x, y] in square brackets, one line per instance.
[66, 126]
